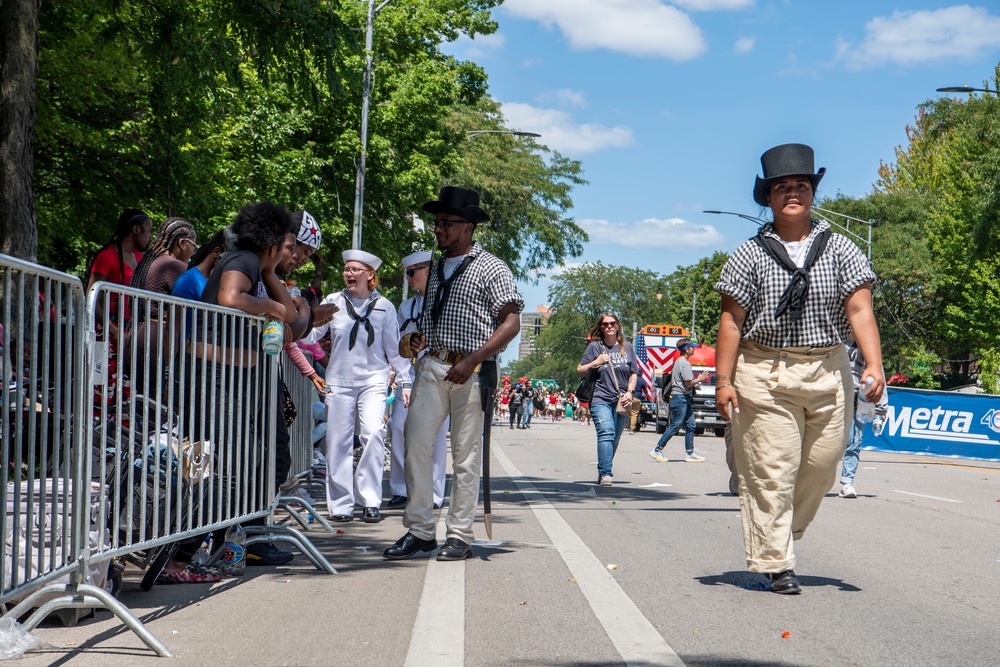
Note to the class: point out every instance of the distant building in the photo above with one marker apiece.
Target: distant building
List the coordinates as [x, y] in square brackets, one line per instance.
[531, 326]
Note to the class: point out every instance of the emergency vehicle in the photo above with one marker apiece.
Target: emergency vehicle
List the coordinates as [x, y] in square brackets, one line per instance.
[660, 343]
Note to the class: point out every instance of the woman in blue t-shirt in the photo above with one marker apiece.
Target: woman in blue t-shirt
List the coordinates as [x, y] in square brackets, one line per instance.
[616, 375]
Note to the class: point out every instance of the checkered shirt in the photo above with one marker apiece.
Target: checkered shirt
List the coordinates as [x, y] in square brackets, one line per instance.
[471, 312]
[756, 282]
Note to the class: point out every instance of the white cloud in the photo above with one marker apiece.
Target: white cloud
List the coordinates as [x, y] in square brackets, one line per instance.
[670, 234]
[562, 133]
[707, 5]
[548, 274]
[647, 28]
[744, 45]
[571, 98]
[913, 37]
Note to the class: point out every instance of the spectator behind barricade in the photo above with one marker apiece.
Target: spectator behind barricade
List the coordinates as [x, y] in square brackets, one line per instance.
[245, 279]
[154, 333]
[114, 263]
[192, 282]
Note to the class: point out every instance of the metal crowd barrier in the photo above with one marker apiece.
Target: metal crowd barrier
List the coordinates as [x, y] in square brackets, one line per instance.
[126, 437]
[303, 394]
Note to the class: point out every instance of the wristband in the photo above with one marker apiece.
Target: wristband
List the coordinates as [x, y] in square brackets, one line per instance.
[724, 386]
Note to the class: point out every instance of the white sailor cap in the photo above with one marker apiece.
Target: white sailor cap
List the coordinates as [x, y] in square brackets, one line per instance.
[363, 257]
[421, 257]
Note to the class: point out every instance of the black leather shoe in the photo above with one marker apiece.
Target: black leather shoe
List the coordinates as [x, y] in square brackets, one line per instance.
[397, 501]
[371, 515]
[341, 518]
[784, 583]
[454, 549]
[437, 506]
[408, 546]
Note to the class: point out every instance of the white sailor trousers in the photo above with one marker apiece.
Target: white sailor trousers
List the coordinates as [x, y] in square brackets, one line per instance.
[344, 486]
[788, 438]
[433, 399]
[397, 469]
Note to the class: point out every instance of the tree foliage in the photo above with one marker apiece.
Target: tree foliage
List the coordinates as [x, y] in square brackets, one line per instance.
[195, 108]
[952, 162]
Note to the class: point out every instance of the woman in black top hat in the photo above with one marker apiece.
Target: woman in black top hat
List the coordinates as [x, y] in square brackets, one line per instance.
[791, 296]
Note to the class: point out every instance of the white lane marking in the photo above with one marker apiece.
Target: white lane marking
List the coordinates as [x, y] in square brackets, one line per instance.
[920, 495]
[439, 632]
[635, 638]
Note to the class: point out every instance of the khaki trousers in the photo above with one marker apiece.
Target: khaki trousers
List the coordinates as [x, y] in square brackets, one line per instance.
[433, 399]
[788, 438]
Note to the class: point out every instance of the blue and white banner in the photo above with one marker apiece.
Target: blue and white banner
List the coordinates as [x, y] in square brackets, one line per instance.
[939, 423]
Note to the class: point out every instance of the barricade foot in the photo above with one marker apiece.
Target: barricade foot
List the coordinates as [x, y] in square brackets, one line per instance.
[63, 596]
[286, 503]
[289, 534]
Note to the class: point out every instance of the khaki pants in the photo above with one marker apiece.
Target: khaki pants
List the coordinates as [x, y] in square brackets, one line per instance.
[788, 438]
[633, 417]
[433, 399]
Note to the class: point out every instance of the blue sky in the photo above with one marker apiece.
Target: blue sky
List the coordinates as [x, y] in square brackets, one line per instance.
[669, 104]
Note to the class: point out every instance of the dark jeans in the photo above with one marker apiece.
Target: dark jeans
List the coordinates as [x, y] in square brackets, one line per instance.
[681, 414]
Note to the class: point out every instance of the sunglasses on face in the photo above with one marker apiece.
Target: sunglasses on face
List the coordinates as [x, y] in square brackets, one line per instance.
[412, 272]
[609, 324]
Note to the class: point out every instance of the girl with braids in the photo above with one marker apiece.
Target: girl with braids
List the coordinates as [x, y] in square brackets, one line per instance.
[114, 263]
[167, 259]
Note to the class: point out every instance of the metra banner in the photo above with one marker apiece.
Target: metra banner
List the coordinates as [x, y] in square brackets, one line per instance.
[939, 423]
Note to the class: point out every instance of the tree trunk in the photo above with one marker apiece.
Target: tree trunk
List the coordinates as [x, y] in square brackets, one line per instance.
[18, 102]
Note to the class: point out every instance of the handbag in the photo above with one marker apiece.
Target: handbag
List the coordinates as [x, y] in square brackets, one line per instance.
[585, 390]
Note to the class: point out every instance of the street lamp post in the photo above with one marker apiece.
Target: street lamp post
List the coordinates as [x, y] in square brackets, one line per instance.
[517, 133]
[359, 187]
[966, 89]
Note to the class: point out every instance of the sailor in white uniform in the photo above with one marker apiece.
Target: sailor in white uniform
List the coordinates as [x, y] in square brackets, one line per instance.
[416, 266]
[363, 334]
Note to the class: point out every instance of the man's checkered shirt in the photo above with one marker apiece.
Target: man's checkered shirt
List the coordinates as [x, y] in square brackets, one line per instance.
[756, 282]
[470, 314]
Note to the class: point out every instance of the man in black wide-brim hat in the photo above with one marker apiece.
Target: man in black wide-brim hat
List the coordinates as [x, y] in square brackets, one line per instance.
[471, 312]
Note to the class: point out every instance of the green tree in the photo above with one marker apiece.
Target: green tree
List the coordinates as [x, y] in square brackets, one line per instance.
[952, 159]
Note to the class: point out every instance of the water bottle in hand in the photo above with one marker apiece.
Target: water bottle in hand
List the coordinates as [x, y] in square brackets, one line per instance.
[274, 333]
[866, 410]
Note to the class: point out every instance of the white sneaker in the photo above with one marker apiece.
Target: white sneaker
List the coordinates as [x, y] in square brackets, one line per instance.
[657, 456]
[693, 457]
[318, 458]
[606, 480]
[847, 491]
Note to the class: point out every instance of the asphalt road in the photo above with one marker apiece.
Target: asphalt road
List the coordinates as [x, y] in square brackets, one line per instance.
[648, 572]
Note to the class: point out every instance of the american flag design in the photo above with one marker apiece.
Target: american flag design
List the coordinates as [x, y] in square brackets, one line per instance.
[645, 367]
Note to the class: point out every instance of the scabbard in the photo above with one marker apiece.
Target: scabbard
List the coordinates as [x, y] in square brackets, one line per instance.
[487, 387]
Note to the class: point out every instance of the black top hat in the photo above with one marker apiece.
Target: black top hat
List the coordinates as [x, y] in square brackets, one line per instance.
[458, 201]
[782, 161]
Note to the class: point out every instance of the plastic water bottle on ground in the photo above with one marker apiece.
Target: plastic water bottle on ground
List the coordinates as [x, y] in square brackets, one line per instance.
[274, 333]
[866, 410]
[234, 552]
[202, 556]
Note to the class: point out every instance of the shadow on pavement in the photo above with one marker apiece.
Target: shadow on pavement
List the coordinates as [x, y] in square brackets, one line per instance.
[689, 661]
[754, 581]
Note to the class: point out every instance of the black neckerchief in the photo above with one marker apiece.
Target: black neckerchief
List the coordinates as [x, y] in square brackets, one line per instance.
[359, 319]
[793, 299]
[415, 315]
[444, 286]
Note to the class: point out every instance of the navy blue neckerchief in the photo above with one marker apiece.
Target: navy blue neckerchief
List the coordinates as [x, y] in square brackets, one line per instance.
[793, 299]
[358, 319]
[444, 286]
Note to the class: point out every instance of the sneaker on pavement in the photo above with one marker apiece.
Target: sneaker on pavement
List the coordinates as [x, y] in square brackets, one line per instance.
[694, 457]
[606, 480]
[657, 455]
[847, 491]
[265, 553]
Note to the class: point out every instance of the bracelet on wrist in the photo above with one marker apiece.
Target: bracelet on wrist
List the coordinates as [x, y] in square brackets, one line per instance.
[723, 386]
